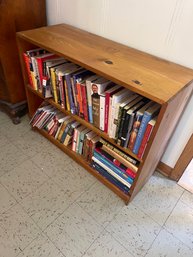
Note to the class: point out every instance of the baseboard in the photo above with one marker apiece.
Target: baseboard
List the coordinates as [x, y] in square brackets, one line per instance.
[164, 169]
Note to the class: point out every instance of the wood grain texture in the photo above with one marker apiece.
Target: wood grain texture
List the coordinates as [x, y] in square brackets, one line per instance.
[16, 16]
[183, 161]
[157, 79]
[160, 138]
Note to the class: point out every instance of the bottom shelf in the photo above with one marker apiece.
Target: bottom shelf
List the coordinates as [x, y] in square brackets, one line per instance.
[85, 165]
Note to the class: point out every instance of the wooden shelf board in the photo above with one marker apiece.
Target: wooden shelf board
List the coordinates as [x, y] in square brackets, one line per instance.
[86, 124]
[85, 165]
[150, 76]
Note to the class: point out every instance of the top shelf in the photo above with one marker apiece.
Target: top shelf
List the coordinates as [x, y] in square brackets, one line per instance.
[152, 77]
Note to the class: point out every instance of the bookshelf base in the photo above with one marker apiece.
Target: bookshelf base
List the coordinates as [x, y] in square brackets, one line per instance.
[85, 165]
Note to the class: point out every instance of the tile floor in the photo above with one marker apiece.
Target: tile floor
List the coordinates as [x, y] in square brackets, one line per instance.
[51, 207]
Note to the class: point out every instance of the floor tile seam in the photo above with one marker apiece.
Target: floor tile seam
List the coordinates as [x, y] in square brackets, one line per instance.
[20, 200]
[118, 241]
[184, 202]
[166, 229]
[93, 242]
[146, 214]
[173, 209]
[9, 192]
[153, 241]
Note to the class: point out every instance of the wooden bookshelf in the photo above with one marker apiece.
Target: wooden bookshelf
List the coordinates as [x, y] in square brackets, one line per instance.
[164, 82]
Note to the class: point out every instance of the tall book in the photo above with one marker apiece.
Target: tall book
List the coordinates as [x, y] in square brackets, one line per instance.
[122, 129]
[97, 88]
[108, 93]
[136, 124]
[89, 82]
[116, 98]
[147, 134]
[150, 113]
[128, 124]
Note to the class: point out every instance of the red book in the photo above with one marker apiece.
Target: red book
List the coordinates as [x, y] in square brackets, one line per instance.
[108, 93]
[79, 100]
[40, 59]
[84, 100]
[27, 65]
[146, 137]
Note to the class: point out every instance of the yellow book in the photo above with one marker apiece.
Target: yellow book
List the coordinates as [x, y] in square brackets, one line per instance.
[53, 82]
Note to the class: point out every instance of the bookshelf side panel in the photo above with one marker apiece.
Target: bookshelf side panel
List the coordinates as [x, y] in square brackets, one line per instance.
[159, 142]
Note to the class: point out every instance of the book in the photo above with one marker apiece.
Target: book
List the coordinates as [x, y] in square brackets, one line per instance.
[102, 112]
[122, 129]
[79, 76]
[116, 98]
[146, 137]
[66, 130]
[117, 163]
[70, 132]
[92, 145]
[88, 81]
[82, 139]
[97, 88]
[86, 147]
[128, 124]
[120, 112]
[119, 171]
[108, 93]
[130, 141]
[84, 101]
[150, 113]
[63, 127]
[119, 155]
[110, 171]
[79, 130]
[109, 177]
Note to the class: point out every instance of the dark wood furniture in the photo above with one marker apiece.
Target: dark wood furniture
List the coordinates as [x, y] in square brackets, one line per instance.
[164, 82]
[15, 16]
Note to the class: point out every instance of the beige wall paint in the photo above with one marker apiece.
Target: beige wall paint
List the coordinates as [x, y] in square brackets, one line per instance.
[162, 28]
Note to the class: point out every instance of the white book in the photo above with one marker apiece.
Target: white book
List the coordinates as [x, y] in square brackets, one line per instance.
[116, 98]
[114, 174]
[102, 113]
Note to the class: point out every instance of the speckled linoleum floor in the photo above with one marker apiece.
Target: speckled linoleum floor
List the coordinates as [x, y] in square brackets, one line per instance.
[51, 207]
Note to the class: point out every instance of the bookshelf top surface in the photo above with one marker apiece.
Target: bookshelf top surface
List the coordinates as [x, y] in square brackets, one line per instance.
[143, 73]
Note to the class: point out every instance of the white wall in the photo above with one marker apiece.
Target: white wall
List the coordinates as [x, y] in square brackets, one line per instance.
[162, 28]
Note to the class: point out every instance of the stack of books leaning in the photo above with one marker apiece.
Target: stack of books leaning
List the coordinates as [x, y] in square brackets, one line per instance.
[116, 166]
[124, 116]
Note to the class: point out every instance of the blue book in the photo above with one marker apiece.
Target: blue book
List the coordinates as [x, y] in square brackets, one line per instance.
[148, 115]
[109, 177]
[112, 167]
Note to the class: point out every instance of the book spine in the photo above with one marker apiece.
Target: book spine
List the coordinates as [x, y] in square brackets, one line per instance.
[146, 118]
[70, 93]
[125, 129]
[109, 115]
[61, 89]
[110, 171]
[145, 139]
[27, 65]
[131, 121]
[96, 110]
[118, 122]
[89, 99]
[109, 177]
[121, 126]
[117, 170]
[66, 94]
[102, 113]
[79, 100]
[84, 101]
[107, 102]
[66, 130]
[53, 82]
[73, 82]
[115, 121]
[134, 131]
[81, 143]
[74, 140]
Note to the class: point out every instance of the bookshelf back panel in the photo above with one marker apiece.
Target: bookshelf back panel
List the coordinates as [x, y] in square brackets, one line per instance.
[157, 79]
